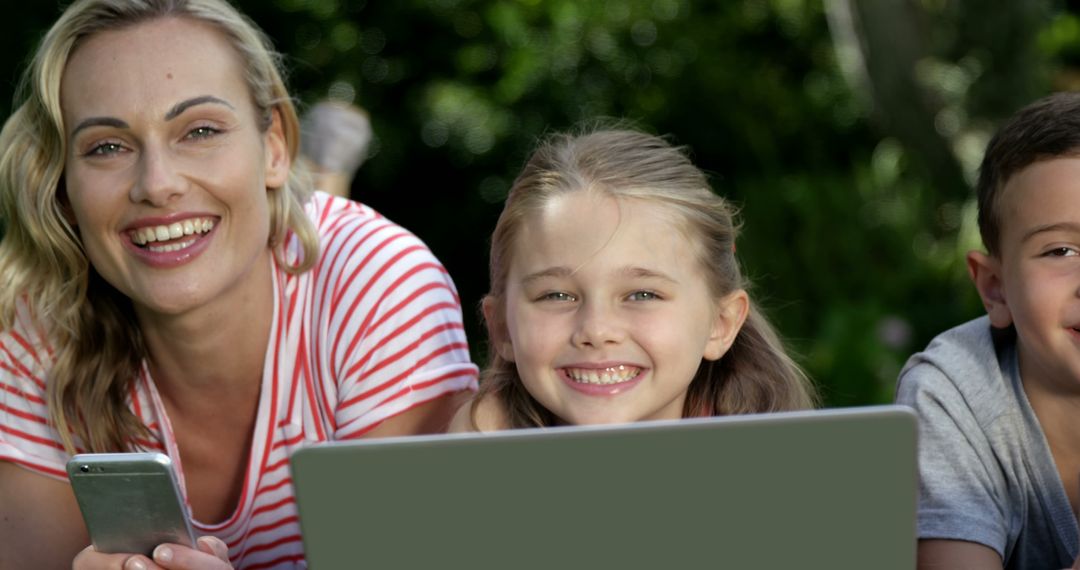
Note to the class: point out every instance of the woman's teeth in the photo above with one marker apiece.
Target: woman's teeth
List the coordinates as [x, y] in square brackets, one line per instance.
[176, 230]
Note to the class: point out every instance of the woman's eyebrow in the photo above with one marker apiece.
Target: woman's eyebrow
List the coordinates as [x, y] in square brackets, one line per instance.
[99, 122]
[171, 114]
[186, 104]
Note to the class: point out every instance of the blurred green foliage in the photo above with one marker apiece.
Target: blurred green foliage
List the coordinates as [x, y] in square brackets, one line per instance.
[848, 132]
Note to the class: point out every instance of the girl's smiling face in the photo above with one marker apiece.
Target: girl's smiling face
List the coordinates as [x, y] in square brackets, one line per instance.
[167, 165]
[607, 312]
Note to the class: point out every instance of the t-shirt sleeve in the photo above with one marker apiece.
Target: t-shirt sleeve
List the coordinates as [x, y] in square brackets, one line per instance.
[397, 338]
[962, 496]
[27, 438]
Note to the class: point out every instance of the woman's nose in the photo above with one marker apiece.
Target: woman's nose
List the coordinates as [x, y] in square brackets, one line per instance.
[159, 179]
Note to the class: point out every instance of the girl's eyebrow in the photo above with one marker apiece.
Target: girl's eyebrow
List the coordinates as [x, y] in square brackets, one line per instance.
[558, 271]
[631, 271]
[644, 272]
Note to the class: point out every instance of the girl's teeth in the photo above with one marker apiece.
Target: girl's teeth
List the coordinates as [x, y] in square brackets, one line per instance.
[611, 375]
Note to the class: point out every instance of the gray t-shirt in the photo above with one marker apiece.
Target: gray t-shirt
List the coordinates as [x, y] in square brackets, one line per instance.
[986, 474]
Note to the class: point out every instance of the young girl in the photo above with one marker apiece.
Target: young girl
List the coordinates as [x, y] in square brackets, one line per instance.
[616, 296]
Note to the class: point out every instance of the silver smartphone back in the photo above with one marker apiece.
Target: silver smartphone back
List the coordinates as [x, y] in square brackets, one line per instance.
[130, 501]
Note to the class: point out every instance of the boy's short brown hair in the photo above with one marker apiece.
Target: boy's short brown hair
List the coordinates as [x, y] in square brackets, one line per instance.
[1048, 128]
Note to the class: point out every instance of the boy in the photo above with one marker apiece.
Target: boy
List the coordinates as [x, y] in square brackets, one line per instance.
[999, 397]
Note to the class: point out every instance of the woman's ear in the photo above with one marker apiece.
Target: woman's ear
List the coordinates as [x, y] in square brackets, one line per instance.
[985, 272]
[731, 312]
[498, 336]
[277, 152]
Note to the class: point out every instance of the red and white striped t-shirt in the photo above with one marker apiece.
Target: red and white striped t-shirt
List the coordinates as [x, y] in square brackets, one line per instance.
[371, 331]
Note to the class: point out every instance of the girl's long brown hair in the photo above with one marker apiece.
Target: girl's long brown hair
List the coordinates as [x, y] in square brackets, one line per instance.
[755, 375]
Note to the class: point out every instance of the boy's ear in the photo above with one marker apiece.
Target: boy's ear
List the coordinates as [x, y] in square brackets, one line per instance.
[277, 153]
[985, 272]
[731, 313]
[498, 336]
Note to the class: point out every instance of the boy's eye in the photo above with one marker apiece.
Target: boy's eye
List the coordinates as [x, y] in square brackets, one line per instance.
[642, 296]
[1061, 252]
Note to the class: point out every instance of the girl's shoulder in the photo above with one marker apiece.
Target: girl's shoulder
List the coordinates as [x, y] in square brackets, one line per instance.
[483, 412]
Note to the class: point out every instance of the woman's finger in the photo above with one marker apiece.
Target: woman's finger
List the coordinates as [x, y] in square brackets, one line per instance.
[176, 557]
[213, 545]
[140, 563]
[91, 559]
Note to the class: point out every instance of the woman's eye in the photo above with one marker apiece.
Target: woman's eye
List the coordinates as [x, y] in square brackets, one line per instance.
[202, 132]
[643, 296]
[105, 149]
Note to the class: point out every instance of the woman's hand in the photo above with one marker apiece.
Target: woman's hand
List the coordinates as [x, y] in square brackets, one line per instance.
[210, 553]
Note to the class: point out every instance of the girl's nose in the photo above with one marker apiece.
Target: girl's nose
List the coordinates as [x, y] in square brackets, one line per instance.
[597, 325]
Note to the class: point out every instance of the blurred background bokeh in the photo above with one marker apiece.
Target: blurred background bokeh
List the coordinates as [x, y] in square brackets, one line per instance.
[847, 131]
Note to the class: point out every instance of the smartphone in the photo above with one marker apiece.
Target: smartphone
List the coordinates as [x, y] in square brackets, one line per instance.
[130, 501]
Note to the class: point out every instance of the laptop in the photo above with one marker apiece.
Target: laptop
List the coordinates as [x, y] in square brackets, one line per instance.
[829, 489]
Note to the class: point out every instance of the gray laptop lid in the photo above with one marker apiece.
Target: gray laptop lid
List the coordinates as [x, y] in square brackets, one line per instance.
[825, 489]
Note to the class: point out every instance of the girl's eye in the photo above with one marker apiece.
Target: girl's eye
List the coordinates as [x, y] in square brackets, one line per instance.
[643, 296]
[557, 296]
[202, 132]
[105, 149]
[1061, 252]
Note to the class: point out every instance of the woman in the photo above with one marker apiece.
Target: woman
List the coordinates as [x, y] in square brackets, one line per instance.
[171, 284]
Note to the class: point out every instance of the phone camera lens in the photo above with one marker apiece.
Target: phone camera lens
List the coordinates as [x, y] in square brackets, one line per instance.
[84, 468]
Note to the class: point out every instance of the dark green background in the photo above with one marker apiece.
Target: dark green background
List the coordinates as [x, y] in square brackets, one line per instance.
[848, 132]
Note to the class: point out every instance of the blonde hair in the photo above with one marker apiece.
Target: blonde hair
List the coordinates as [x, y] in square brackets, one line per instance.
[755, 375]
[98, 346]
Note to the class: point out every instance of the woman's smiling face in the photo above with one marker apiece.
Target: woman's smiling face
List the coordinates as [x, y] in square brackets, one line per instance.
[167, 164]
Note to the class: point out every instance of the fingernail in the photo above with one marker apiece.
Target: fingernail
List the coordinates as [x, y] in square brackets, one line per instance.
[134, 564]
[163, 553]
[216, 546]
